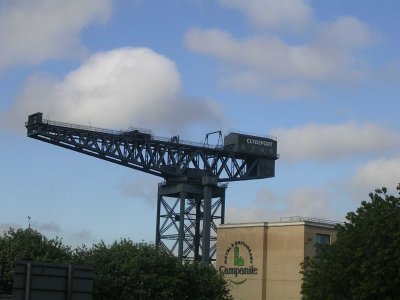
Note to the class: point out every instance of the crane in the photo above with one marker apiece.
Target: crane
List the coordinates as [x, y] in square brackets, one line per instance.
[191, 198]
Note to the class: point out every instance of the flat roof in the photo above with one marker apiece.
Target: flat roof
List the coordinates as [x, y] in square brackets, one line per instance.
[280, 224]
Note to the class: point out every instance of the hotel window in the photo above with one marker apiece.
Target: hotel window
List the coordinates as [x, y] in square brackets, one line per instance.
[321, 241]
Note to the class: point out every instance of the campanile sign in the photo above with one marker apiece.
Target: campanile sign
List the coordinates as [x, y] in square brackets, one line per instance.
[238, 261]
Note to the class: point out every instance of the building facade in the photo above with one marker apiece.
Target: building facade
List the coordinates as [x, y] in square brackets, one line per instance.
[262, 260]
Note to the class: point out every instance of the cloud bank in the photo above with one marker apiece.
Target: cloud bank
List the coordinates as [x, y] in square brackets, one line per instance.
[116, 89]
[377, 173]
[271, 63]
[274, 15]
[34, 31]
[141, 187]
[268, 206]
[323, 142]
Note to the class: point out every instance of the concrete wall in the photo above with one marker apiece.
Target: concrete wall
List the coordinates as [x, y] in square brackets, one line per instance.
[284, 253]
[276, 249]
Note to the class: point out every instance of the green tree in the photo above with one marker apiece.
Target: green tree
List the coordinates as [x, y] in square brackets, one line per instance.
[364, 262]
[125, 270]
[202, 282]
[27, 244]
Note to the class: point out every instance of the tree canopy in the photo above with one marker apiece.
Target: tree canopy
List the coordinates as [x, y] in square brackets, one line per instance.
[27, 244]
[364, 262]
[123, 270]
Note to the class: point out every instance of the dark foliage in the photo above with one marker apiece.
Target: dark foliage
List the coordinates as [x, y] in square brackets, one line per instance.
[27, 244]
[364, 262]
[123, 270]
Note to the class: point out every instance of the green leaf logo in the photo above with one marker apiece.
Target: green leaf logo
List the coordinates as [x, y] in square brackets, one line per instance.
[237, 259]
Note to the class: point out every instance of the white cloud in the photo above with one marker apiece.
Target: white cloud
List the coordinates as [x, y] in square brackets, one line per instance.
[269, 63]
[46, 227]
[384, 172]
[141, 187]
[272, 14]
[116, 89]
[332, 142]
[346, 32]
[265, 54]
[33, 31]
[268, 207]
[84, 237]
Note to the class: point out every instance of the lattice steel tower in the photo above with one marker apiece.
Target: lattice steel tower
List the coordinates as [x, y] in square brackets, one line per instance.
[192, 197]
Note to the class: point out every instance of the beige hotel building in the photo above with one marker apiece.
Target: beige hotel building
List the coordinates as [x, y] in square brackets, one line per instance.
[262, 260]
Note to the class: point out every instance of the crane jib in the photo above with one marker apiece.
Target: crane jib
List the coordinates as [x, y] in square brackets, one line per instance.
[242, 157]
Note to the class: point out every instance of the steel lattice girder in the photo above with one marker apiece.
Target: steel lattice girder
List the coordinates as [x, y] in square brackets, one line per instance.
[157, 157]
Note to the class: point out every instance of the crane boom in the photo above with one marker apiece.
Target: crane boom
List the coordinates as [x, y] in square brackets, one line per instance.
[140, 150]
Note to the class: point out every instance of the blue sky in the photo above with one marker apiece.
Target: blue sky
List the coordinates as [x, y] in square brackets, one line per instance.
[322, 76]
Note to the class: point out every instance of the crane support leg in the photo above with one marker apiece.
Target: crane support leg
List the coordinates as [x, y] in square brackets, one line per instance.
[181, 225]
[206, 225]
[187, 219]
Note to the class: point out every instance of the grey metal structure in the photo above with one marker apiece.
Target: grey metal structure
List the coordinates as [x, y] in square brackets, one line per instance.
[192, 197]
[48, 281]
